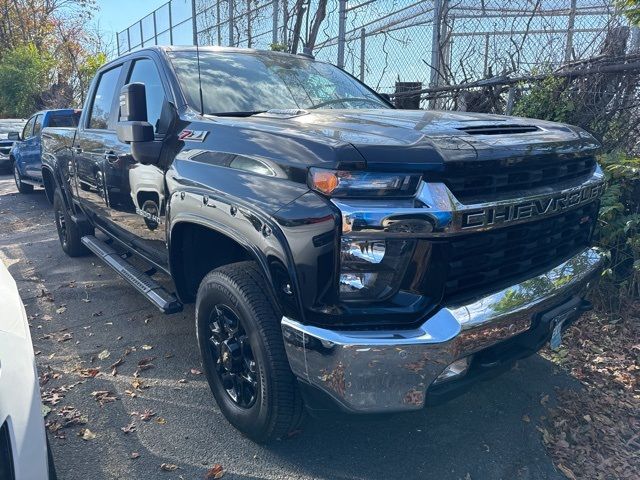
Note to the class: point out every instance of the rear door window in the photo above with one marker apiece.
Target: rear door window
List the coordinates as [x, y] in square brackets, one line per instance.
[67, 120]
[100, 117]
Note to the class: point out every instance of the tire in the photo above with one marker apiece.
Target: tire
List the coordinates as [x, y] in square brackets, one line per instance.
[239, 290]
[50, 463]
[22, 187]
[69, 233]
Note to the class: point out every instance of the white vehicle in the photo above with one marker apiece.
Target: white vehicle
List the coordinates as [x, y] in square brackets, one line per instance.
[23, 442]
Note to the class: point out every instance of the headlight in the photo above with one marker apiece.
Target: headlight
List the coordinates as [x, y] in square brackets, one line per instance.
[372, 269]
[341, 183]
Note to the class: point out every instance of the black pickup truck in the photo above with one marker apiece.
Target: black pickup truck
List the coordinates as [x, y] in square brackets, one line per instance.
[339, 252]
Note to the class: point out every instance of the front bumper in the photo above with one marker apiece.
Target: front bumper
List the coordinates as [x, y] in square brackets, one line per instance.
[391, 370]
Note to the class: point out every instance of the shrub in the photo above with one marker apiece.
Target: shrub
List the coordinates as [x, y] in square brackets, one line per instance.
[619, 229]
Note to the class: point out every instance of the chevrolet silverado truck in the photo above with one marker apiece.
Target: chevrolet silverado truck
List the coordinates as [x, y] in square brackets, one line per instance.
[339, 252]
[25, 154]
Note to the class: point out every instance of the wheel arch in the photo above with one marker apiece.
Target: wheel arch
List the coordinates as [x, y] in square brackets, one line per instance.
[225, 245]
[49, 182]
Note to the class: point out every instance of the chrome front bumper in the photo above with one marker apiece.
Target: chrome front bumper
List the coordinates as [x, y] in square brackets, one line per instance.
[385, 371]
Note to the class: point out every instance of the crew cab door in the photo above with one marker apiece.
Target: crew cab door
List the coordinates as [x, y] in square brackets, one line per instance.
[30, 148]
[96, 137]
[137, 192]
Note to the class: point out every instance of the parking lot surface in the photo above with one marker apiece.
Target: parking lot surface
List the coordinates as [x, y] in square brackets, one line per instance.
[84, 317]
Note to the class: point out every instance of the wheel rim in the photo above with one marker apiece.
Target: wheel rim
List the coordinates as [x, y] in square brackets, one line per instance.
[16, 175]
[235, 366]
[62, 226]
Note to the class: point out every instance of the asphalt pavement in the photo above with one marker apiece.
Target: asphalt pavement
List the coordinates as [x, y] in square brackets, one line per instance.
[80, 312]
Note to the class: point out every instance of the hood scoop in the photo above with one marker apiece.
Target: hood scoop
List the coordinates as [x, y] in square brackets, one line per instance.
[507, 129]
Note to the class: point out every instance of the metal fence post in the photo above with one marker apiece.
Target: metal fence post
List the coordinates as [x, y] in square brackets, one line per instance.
[155, 29]
[435, 48]
[342, 24]
[276, 11]
[194, 22]
[118, 42]
[363, 39]
[231, 14]
[170, 24]
[568, 49]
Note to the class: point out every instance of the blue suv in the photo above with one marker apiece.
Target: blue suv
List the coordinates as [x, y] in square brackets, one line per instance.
[26, 152]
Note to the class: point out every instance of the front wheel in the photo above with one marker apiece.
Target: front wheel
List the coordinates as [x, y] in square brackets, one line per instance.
[243, 353]
[22, 187]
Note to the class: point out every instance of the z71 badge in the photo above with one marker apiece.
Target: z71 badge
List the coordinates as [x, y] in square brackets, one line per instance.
[193, 135]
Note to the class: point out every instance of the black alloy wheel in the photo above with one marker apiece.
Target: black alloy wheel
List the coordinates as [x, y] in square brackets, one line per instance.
[236, 366]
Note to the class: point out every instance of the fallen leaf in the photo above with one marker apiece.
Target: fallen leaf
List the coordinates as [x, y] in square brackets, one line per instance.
[89, 372]
[195, 371]
[215, 472]
[168, 467]
[147, 415]
[134, 455]
[97, 314]
[61, 310]
[45, 410]
[103, 355]
[567, 472]
[104, 396]
[160, 421]
[86, 434]
[129, 428]
[146, 347]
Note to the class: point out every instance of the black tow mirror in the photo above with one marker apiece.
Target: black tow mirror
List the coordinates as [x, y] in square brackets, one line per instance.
[15, 136]
[133, 127]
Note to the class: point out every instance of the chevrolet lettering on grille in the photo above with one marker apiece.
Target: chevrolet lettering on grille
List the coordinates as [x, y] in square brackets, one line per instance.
[538, 207]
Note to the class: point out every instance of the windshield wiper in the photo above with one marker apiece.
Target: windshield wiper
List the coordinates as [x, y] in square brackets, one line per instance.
[238, 114]
[348, 99]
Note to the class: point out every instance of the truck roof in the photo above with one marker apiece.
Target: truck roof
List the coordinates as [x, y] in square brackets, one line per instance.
[190, 48]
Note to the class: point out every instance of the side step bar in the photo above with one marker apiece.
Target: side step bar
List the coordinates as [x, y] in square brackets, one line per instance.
[152, 290]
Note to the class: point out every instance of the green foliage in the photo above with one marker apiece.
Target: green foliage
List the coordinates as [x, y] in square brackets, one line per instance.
[631, 9]
[88, 69]
[619, 227]
[278, 47]
[549, 100]
[24, 75]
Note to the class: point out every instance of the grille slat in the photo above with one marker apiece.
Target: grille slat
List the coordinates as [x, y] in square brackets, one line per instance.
[480, 261]
[470, 182]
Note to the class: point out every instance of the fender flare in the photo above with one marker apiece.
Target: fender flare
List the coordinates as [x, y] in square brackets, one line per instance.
[265, 262]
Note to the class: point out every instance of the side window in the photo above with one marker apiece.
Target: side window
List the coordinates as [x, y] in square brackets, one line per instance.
[101, 105]
[28, 128]
[145, 71]
[38, 125]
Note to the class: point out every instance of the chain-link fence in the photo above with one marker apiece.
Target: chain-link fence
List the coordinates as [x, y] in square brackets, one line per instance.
[392, 45]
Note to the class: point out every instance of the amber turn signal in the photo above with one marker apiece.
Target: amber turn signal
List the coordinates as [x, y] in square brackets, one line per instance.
[325, 181]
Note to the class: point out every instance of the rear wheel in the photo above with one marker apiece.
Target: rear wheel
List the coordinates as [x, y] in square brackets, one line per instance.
[22, 187]
[69, 232]
[243, 353]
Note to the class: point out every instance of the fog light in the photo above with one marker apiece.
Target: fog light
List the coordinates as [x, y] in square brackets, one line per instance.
[454, 370]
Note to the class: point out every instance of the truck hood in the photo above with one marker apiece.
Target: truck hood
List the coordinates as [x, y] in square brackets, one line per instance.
[418, 138]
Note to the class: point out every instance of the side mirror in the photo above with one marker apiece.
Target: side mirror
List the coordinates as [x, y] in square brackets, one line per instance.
[132, 125]
[15, 136]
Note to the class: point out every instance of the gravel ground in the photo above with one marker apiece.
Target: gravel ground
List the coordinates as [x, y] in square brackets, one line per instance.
[79, 309]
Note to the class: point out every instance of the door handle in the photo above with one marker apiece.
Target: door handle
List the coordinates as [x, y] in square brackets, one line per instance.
[111, 157]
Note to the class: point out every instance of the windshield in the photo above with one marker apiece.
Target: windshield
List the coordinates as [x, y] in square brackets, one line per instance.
[255, 82]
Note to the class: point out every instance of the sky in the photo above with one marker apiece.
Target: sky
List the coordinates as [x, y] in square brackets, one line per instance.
[116, 15]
